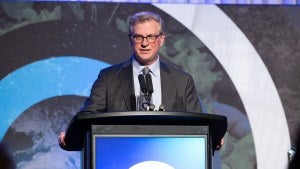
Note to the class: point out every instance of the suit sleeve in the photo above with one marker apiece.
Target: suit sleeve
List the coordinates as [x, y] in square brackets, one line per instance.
[96, 102]
[192, 100]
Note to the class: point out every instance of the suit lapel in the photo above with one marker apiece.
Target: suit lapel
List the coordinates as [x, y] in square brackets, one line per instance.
[126, 78]
[167, 85]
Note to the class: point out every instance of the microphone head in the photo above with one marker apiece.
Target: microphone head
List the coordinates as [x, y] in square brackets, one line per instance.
[142, 83]
[149, 83]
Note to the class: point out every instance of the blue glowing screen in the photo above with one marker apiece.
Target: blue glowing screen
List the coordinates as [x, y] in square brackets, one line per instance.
[125, 152]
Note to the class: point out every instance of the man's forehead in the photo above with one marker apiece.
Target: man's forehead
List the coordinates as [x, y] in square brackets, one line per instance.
[150, 25]
[149, 20]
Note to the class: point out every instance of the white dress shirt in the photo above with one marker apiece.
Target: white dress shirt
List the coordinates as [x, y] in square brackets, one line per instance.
[156, 81]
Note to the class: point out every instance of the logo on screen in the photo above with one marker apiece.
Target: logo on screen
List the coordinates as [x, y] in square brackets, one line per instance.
[151, 165]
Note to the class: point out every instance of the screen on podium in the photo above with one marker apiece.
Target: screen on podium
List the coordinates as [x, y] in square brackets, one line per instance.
[150, 151]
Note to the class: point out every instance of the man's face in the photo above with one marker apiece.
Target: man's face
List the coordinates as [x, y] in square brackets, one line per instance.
[146, 52]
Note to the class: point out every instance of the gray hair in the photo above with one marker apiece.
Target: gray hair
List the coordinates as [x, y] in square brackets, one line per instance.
[145, 16]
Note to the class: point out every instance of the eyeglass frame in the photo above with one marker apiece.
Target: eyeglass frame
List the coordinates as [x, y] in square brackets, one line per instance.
[133, 36]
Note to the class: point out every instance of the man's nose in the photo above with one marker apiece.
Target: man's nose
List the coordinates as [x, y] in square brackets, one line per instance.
[144, 41]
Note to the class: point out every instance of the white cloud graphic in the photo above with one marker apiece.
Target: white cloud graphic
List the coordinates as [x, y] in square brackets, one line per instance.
[151, 165]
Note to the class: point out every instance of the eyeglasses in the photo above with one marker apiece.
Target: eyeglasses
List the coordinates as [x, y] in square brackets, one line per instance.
[150, 38]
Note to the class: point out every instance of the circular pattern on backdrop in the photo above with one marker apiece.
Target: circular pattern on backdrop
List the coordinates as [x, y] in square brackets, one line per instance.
[44, 79]
[249, 75]
[37, 128]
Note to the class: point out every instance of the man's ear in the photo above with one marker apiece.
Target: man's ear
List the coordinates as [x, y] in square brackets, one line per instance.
[162, 39]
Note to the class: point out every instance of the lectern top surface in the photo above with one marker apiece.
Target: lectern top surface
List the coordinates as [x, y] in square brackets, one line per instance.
[81, 123]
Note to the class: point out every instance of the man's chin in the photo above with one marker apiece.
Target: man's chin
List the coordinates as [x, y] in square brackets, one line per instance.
[145, 55]
[145, 58]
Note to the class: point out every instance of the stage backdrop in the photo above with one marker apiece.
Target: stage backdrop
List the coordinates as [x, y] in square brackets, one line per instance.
[244, 60]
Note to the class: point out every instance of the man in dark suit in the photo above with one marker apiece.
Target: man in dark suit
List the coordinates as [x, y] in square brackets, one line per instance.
[117, 87]
[114, 90]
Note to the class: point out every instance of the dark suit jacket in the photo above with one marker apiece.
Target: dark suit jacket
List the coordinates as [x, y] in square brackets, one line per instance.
[113, 91]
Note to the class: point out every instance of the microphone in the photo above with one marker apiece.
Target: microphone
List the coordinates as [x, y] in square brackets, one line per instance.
[142, 83]
[146, 88]
[149, 83]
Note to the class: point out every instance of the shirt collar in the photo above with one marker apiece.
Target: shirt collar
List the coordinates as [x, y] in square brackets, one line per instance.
[137, 67]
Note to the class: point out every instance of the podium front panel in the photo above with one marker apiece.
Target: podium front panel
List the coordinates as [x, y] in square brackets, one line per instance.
[141, 146]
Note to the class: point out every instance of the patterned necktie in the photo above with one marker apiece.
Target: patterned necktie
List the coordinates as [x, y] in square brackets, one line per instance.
[145, 71]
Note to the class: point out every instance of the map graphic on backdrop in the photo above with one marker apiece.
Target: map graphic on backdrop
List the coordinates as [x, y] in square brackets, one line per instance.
[54, 51]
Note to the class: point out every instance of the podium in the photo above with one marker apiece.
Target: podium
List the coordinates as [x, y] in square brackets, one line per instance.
[105, 137]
